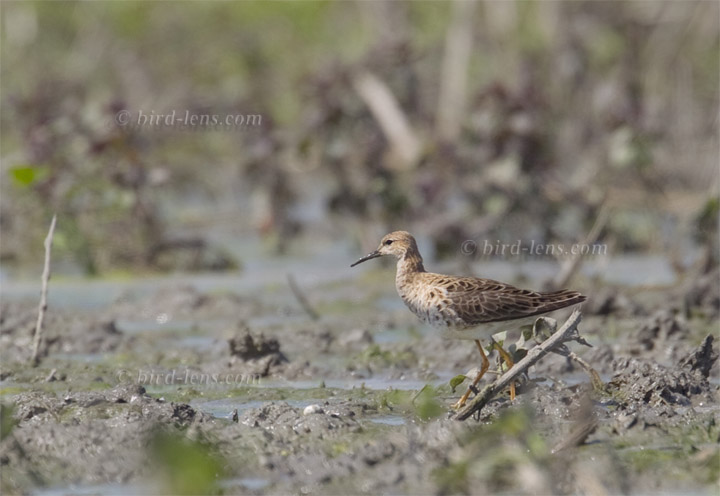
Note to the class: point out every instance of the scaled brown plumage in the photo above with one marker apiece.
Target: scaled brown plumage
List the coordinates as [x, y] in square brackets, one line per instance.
[464, 307]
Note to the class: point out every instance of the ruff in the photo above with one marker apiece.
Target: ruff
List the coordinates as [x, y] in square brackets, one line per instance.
[465, 307]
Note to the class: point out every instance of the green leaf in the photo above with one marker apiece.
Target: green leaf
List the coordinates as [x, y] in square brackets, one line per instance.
[543, 328]
[498, 339]
[25, 175]
[456, 381]
[527, 333]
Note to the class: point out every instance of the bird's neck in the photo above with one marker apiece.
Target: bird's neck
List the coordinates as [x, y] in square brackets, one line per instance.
[408, 267]
[409, 264]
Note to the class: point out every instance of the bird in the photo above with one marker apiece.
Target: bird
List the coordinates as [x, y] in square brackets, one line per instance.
[469, 308]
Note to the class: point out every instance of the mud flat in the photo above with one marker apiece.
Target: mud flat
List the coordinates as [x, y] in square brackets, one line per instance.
[202, 392]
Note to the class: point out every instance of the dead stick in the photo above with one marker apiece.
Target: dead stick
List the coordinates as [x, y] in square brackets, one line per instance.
[577, 436]
[300, 297]
[562, 335]
[570, 267]
[43, 293]
[597, 383]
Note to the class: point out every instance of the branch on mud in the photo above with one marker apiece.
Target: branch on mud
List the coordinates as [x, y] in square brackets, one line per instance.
[43, 293]
[555, 343]
[300, 297]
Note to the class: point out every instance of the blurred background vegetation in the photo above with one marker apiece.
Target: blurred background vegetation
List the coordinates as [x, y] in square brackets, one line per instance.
[455, 120]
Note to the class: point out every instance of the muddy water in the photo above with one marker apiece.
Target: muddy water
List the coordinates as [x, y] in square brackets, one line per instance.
[357, 401]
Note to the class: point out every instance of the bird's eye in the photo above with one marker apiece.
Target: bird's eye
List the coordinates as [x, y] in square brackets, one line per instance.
[388, 242]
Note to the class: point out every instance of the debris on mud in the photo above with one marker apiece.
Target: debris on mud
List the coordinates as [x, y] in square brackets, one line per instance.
[362, 426]
[611, 301]
[257, 354]
[183, 301]
[86, 437]
[641, 383]
[660, 327]
[65, 333]
[704, 295]
[702, 359]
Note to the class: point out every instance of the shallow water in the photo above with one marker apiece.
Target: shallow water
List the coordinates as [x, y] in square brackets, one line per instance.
[389, 420]
[224, 408]
[112, 489]
[327, 266]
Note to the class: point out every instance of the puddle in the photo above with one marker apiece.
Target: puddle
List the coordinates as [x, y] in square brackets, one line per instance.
[314, 269]
[103, 489]
[164, 323]
[249, 483]
[113, 489]
[82, 357]
[154, 325]
[224, 408]
[570, 379]
[200, 342]
[378, 384]
[389, 420]
[277, 319]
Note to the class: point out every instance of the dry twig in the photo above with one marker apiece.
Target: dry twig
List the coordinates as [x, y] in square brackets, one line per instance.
[578, 435]
[300, 297]
[568, 332]
[571, 266]
[43, 293]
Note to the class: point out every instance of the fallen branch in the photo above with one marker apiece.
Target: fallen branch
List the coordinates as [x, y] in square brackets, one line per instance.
[572, 265]
[300, 297]
[568, 332]
[43, 294]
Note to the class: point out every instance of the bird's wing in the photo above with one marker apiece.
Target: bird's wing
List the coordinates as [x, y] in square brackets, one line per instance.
[477, 301]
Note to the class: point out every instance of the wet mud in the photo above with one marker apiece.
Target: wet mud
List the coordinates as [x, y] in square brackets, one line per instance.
[357, 402]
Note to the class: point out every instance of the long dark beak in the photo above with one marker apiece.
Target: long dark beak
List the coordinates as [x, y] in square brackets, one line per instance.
[367, 257]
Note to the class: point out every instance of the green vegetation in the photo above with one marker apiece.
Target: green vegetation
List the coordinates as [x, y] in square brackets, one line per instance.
[7, 421]
[186, 467]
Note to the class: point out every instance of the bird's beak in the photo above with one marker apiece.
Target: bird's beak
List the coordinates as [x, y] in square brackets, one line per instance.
[367, 257]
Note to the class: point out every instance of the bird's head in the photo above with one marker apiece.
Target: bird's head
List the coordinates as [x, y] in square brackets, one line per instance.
[397, 244]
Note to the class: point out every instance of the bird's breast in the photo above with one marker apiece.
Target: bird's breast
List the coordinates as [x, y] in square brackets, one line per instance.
[428, 306]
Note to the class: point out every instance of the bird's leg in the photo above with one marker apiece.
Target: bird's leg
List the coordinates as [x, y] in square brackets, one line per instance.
[509, 361]
[483, 368]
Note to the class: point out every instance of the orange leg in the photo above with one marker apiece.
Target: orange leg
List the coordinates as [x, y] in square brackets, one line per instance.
[509, 361]
[483, 368]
